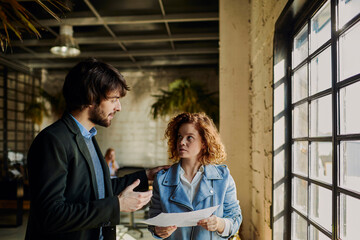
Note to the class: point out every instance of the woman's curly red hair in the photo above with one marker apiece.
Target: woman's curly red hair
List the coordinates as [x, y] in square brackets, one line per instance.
[214, 150]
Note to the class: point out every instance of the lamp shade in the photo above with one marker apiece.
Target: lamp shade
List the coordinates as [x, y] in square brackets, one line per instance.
[65, 44]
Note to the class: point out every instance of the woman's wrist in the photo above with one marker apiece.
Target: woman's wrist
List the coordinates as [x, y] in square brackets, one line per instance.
[220, 225]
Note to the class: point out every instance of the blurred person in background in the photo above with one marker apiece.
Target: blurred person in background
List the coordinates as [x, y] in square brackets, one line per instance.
[111, 161]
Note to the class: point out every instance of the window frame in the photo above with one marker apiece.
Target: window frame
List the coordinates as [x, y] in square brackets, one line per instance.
[21, 128]
[295, 15]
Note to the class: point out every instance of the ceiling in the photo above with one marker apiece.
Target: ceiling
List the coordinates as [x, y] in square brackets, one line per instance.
[129, 34]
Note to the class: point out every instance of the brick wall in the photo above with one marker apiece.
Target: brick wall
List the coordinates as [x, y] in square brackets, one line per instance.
[246, 62]
[263, 17]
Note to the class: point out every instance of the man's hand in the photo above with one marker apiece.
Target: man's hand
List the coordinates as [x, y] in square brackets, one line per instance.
[150, 173]
[164, 232]
[131, 201]
[213, 223]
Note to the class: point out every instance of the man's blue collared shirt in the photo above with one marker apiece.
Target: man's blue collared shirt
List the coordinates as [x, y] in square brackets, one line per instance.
[87, 134]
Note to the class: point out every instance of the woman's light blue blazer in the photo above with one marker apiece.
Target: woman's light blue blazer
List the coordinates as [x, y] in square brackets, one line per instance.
[217, 187]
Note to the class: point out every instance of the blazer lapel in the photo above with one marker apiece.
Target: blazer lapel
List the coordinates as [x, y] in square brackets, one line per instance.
[83, 149]
[85, 152]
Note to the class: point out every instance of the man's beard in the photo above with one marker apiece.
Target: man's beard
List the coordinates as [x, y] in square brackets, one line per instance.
[98, 117]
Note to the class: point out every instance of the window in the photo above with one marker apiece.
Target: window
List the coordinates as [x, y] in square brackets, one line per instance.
[316, 131]
[17, 89]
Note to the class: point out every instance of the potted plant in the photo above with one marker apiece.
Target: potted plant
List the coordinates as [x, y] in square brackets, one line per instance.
[185, 95]
[36, 110]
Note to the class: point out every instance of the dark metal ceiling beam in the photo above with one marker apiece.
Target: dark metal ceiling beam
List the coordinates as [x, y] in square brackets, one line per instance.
[169, 18]
[166, 23]
[100, 18]
[155, 63]
[15, 65]
[129, 39]
[116, 54]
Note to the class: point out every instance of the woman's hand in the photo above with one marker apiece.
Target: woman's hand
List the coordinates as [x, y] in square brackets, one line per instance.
[212, 223]
[164, 232]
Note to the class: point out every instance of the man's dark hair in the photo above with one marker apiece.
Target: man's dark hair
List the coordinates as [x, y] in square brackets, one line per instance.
[89, 82]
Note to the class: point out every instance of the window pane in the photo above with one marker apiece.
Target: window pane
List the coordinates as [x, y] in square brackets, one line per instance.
[320, 206]
[279, 166]
[300, 157]
[279, 192]
[279, 99]
[299, 200]
[300, 48]
[349, 109]
[11, 94]
[321, 161]
[347, 10]
[320, 27]
[316, 234]
[348, 48]
[299, 227]
[21, 87]
[278, 232]
[320, 72]
[279, 70]
[300, 120]
[279, 133]
[300, 84]
[350, 165]
[349, 217]
[11, 105]
[11, 115]
[321, 117]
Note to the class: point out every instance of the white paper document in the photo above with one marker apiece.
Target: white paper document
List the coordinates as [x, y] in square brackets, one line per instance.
[184, 219]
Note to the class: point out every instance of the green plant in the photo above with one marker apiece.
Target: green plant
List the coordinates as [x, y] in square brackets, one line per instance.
[56, 101]
[185, 95]
[36, 110]
[15, 18]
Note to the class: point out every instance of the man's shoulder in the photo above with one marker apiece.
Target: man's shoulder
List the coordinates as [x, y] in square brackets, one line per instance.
[57, 129]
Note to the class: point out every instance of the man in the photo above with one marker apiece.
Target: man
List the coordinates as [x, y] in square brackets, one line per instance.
[72, 196]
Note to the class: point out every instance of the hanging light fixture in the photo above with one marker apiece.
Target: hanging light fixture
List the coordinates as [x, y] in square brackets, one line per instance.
[65, 44]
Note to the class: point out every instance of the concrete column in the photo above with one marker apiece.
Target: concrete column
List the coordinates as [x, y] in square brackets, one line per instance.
[235, 98]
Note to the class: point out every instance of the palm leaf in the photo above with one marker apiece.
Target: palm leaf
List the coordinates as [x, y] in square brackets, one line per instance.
[14, 17]
[185, 95]
[56, 101]
[48, 10]
[36, 111]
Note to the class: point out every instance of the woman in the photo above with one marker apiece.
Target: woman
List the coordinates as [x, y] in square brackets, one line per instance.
[195, 181]
[110, 160]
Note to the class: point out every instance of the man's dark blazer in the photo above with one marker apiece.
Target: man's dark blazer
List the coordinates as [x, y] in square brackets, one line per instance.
[64, 201]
